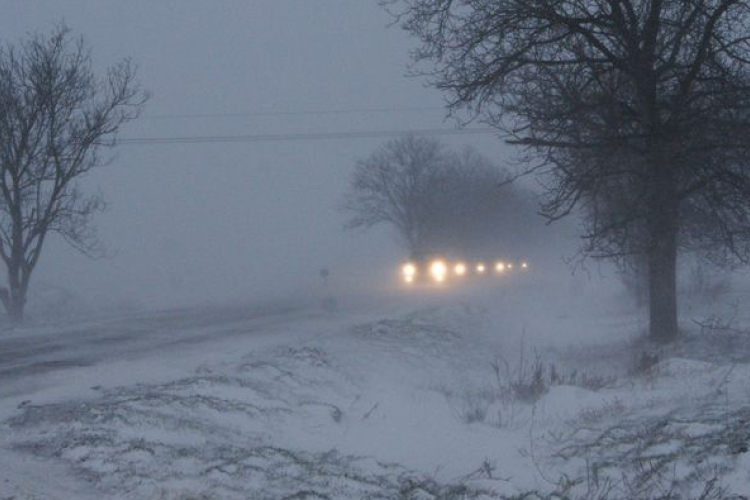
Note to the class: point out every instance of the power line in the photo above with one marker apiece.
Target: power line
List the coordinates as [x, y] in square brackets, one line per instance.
[313, 136]
[342, 111]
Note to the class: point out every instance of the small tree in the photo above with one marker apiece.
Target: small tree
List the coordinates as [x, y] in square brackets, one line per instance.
[55, 117]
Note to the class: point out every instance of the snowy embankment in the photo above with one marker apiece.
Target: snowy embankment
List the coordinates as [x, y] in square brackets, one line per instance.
[449, 402]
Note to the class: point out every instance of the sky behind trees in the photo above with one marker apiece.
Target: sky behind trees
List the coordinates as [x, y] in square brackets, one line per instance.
[194, 222]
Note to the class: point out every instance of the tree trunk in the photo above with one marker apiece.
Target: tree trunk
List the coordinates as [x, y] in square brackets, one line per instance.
[662, 271]
[15, 309]
[14, 300]
[641, 286]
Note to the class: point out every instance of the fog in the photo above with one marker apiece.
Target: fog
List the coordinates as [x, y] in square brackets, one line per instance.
[207, 354]
[190, 223]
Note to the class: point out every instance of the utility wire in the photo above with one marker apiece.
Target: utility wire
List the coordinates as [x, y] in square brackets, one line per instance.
[343, 111]
[313, 136]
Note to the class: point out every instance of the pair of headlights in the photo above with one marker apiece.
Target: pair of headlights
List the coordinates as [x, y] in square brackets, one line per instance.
[438, 271]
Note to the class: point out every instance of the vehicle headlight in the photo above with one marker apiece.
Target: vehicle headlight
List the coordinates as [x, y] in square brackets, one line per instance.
[524, 265]
[481, 268]
[500, 267]
[409, 271]
[460, 269]
[439, 270]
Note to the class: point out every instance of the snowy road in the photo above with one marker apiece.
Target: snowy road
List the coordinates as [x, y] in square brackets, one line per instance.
[93, 352]
[48, 349]
[41, 356]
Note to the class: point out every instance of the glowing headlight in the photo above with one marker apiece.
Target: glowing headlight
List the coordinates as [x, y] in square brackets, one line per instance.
[481, 269]
[500, 267]
[439, 270]
[524, 265]
[409, 271]
[510, 266]
[460, 269]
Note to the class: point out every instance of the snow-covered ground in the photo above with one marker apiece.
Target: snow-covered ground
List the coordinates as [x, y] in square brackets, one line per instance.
[511, 391]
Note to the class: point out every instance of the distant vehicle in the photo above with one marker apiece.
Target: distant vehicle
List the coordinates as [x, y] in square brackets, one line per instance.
[437, 269]
[429, 267]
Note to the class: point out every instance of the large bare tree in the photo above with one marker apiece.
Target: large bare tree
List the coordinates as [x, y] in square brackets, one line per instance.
[55, 118]
[635, 110]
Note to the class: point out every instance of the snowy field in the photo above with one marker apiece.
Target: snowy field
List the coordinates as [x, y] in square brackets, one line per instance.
[513, 391]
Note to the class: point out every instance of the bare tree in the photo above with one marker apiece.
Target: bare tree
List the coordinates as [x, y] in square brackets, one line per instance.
[55, 118]
[396, 185]
[645, 100]
[439, 200]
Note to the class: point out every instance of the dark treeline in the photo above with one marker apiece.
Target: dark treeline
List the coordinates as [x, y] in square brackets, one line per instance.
[442, 201]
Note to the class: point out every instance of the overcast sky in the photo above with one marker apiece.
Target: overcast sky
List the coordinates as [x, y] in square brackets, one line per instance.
[189, 222]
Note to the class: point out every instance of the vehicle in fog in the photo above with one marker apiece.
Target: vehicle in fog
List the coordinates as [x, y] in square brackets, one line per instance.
[437, 268]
